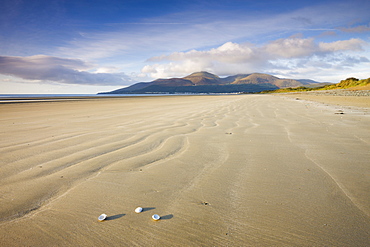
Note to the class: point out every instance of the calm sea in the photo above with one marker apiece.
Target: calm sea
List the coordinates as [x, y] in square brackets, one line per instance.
[78, 95]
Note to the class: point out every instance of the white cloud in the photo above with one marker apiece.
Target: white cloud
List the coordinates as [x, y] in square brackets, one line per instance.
[228, 53]
[279, 56]
[62, 70]
[107, 69]
[343, 45]
[177, 69]
[291, 47]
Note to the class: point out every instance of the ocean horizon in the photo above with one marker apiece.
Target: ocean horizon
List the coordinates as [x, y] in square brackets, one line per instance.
[79, 95]
[10, 96]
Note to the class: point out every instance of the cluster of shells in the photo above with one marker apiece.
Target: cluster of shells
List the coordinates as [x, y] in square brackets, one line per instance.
[138, 210]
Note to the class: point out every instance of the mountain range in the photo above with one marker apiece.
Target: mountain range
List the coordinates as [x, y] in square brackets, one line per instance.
[205, 82]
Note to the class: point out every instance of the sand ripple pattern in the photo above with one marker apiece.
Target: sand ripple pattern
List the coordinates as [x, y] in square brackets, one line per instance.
[243, 170]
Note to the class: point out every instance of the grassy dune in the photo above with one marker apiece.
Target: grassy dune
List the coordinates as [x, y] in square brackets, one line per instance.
[344, 84]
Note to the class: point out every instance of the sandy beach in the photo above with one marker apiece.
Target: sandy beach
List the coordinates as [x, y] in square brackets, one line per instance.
[233, 170]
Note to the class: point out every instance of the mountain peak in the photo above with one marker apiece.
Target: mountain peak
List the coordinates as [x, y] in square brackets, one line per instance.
[203, 78]
[203, 74]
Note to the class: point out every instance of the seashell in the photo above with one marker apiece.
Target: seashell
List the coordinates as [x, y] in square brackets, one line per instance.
[156, 217]
[138, 210]
[102, 217]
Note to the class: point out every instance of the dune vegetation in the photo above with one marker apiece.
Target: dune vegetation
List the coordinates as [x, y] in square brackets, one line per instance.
[343, 84]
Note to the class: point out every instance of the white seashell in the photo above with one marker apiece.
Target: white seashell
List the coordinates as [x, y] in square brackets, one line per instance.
[102, 217]
[138, 210]
[156, 217]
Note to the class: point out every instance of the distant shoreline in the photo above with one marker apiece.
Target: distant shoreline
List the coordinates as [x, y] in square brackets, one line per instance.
[28, 98]
[358, 98]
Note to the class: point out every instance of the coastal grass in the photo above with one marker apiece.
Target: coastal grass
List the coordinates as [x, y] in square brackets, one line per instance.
[344, 84]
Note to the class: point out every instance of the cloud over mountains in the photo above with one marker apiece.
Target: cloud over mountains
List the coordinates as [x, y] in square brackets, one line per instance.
[62, 70]
[237, 58]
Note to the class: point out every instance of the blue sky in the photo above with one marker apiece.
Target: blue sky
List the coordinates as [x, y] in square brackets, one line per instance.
[89, 46]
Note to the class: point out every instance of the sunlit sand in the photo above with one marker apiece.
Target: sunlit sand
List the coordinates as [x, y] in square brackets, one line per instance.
[241, 170]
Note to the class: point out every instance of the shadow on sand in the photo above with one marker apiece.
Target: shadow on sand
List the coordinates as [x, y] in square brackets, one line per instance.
[114, 217]
[148, 209]
[167, 217]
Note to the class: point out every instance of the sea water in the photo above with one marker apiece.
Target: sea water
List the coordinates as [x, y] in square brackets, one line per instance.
[75, 95]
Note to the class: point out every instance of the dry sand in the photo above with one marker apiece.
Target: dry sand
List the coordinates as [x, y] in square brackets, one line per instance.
[242, 170]
[330, 97]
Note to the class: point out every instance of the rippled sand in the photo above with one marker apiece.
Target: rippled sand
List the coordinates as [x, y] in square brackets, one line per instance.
[243, 170]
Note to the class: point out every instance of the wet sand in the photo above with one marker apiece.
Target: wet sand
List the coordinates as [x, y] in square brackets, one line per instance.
[241, 170]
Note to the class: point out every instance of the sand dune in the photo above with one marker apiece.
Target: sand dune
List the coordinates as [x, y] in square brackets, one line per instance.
[242, 170]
